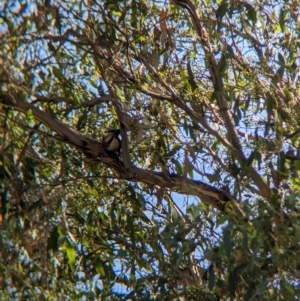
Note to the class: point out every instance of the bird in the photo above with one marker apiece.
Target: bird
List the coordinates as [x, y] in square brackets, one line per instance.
[111, 141]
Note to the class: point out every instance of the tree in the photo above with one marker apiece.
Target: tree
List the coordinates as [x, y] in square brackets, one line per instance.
[206, 96]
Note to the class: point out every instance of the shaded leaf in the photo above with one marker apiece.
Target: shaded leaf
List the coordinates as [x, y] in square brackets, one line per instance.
[191, 77]
[251, 12]
[52, 243]
[82, 121]
[222, 10]
[227, 243]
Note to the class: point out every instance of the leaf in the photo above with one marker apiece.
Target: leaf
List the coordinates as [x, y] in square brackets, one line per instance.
[134, 20]
[245, 242]
[99, 267]
[271, 103]
[76, 99]
[278, 75]
[134, 197]
[174, 150]
[79, 218]
[82, 121]
[222, 10]
[223, 218]
[191, 78]
[29, 118]
[189, 247]
[58, 74]
[122, 253]
[287, 290]
[234, 169]
[227, 243]
[186, 164]
[222, 64]
[291, 201]
[52, 242]
[288, 95]
[251, 12]
[118, 93]
[284, 114]
[234, 278]
[178, 167]
[130, 228]
[116, 13]
[211, 279]
[282, 18]
[233, 281]
[281, 58]
[71, 255]
[262, 286]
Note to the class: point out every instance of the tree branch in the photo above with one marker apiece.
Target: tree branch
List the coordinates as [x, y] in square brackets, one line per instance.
[92, 148]
[219, 89]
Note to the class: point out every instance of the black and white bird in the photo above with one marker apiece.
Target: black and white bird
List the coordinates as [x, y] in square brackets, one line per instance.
[111, 141]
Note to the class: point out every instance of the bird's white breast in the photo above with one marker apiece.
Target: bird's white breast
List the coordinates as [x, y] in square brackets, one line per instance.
[114, 145]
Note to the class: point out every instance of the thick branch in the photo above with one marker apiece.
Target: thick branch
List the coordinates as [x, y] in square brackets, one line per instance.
[219, 89]
[92, 148]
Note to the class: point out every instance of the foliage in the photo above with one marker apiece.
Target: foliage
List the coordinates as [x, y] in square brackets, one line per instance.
[207, 98]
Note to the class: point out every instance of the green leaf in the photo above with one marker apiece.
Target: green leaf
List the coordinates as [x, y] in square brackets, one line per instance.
[191, 77]
[174, 150]
[135, 198]
[278, 75]
[262, 286]
[29, 118]
[130, 228]
[287, 290]
[271, 103]
[291, 201]
[222, 10]
[222, 65]
[118, 93]
[58, 74]
[233, 281]
[79, 218]
[281, 58]
[122, 253]
[189, 247]
[82, 121]
[76, 99]
[275, 254]
[71, 255]
[99, 267]
[134, 19]
[227, 243]
[116, 13]
[223, 218]
[178, 167]
[282, 18]
[288, 95]
[245, 242]
[211, 279]
[234, 169]
[284, 114]
[251, 12]
[52, 243]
